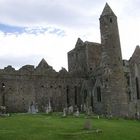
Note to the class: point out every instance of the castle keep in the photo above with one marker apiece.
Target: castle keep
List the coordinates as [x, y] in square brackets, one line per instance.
[97, 77]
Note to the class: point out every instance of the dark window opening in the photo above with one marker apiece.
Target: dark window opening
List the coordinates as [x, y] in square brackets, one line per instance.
[67, 95]
[123, 63]
[84, 69]
[106, 79]
[90, 68]
[111, 20]
[42, 86]
[51, 86]
[60, 86]
[128, 80]
[75, 95]
[85, 96]
[3, 94]
[105, 85]
[76, 56]
[99, 94]
[91, 100]
[129, 95]
[137, 88]
[3, 85]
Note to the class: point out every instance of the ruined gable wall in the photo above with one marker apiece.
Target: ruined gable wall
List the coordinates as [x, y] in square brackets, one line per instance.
[84, 58]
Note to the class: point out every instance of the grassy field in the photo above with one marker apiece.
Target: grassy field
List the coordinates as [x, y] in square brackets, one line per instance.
[54, 127]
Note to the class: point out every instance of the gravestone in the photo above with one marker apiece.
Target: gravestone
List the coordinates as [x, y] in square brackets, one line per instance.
[84, 108]
[64, 112]
[33, 109]
[2, 109]
[48, 108]
[77, 113]
[89, 111]
[70, 110]
[88, 125]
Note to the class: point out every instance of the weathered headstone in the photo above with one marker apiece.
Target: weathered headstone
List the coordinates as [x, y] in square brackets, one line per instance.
[46, 110]
[2, 110]
[49, 107]
[29, 109]
[36, 107]
[89, 110]
[64, 112]
[81, 107]
[88, 125]
[84, 108]
[33, 109]
[70, 110]
[77, 113]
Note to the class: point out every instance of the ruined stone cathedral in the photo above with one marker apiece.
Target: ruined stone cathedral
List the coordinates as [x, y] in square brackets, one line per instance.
[97, 77]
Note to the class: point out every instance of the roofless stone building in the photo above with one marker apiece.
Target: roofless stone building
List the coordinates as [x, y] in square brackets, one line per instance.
[97, 77]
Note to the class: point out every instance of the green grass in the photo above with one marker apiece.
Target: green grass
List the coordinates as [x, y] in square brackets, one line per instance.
[54, 127]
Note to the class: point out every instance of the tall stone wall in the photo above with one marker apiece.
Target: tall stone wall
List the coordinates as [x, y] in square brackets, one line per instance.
[37, 85]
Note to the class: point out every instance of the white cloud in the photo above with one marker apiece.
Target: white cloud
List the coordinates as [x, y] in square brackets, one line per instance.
[27, 47]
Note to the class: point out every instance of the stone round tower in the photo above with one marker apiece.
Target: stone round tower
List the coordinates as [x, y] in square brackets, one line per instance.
[115, 97]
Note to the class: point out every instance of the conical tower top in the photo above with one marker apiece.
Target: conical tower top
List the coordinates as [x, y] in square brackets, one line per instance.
[107, 11]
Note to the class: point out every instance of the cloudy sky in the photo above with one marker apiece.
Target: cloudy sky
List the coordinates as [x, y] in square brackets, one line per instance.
[34, 29]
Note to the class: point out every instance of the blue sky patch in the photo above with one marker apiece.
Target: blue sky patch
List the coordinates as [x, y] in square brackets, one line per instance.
[11, 29]
[35, 30]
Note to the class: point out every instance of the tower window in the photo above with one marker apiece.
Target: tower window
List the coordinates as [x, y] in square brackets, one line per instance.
[111, 20]
[137, 88]
[99, 94]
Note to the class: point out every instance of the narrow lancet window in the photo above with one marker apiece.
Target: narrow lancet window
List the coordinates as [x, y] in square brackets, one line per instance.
[75, 95]
[67, 95]
[99, 94]
[137, 88]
